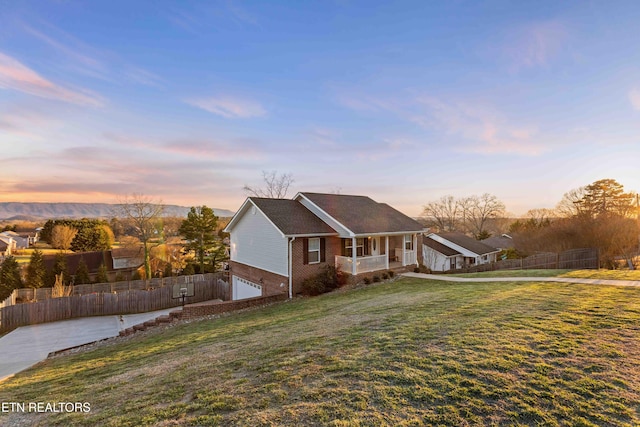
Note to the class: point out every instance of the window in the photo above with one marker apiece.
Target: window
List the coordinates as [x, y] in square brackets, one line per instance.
[314, 251]
[348, 246]
[408, 242]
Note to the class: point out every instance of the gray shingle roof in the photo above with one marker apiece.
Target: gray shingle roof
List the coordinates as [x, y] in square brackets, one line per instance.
[439, 247]
[291, 217]
[469, 243]
[361, 215]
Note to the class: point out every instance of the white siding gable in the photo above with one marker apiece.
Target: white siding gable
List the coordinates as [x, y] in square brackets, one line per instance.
[255, 241]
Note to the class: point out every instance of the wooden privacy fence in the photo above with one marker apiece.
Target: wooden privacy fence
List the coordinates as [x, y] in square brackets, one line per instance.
[573, 260]
[29, 294]
[105, 303]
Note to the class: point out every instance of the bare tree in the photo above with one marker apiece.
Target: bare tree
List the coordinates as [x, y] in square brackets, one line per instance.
[146, 217]
[62, 236]
[570, 204]
[478, 210]
[275, 186]
[444, 214]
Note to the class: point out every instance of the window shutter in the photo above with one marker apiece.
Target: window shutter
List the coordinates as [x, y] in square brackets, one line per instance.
[366, 246]
[305, 250]
[322, 250]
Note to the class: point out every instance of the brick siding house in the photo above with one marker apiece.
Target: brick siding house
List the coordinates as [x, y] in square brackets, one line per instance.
[277, 243]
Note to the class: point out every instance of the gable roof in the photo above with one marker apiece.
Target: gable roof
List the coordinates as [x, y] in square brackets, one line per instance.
[468, 243]
[362, 215]
[290, 217]
[500, 242]
[439, 247]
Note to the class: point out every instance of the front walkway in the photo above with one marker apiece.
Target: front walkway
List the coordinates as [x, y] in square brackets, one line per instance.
[448, 278]
[28, 345]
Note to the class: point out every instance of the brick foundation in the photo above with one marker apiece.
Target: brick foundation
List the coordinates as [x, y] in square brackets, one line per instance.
[199, 310]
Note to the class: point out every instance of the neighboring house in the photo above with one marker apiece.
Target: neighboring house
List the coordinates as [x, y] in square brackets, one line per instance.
[449, 251]
[117, 261]
[502, 242]
[6, 245]
[277, 243]
[19, 241]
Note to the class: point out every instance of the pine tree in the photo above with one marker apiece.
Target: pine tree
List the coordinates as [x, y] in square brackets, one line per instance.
[199, 229]
[10, 278]
[82, 273]
[59, 267]
[102, 275]
[36, 271]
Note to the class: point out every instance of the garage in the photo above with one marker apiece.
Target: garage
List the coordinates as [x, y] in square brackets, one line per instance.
[243, 289]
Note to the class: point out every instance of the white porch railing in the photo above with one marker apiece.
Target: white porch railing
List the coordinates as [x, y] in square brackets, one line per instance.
[363, 264]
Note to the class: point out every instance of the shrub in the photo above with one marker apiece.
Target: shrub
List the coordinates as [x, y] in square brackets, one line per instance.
[391, 273]
[376, 279]
[366, 281]
[313, 286]
[416, 270]
[385, 275]
[327, 279]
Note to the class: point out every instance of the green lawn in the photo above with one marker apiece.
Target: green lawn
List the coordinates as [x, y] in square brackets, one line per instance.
[408, 353]
[580, 274]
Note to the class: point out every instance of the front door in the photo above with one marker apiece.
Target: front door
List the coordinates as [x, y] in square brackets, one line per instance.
[375, 246]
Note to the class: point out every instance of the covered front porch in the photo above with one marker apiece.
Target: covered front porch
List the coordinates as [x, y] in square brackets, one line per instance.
[377, 252]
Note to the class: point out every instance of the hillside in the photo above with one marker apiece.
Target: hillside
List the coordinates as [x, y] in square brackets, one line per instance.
[411, 352]
[9, 210]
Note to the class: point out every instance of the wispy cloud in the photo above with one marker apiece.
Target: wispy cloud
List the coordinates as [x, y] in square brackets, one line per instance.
[201, 17]
[16, 76]
[87, 60]
[482, 129]
[199, 148]
[72, 53]
[229, 107]
[476, 128]
[138, 75]
[535, 44]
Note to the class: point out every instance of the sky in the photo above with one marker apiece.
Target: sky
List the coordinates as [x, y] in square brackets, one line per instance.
[403, 101]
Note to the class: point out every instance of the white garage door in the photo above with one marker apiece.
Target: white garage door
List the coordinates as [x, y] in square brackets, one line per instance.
[243, 289]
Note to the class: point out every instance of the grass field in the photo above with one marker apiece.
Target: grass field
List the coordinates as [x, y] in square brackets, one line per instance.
[407, 353]
[580, 274]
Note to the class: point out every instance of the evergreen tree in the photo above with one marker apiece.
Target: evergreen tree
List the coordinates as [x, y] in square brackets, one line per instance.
[59, 267]
[36, 271]
[82, 273]
[199, 229]
[10, 278]
[102, 275]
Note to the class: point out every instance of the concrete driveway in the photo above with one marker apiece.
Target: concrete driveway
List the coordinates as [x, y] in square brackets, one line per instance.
[28, 345]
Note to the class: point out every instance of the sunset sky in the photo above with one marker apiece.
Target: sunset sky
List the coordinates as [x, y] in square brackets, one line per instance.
[403, 101]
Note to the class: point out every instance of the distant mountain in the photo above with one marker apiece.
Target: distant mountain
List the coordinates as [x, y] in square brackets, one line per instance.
[15, 210]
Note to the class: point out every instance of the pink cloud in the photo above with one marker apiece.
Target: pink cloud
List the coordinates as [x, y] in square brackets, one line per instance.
[229, 107]
[16, 76]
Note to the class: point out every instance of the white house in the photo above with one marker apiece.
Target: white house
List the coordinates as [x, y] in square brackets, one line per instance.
[449, 251]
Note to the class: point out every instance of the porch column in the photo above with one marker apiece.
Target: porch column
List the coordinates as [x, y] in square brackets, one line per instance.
[354, 252]
[386, 252]
[404, 249]
[415, 247]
